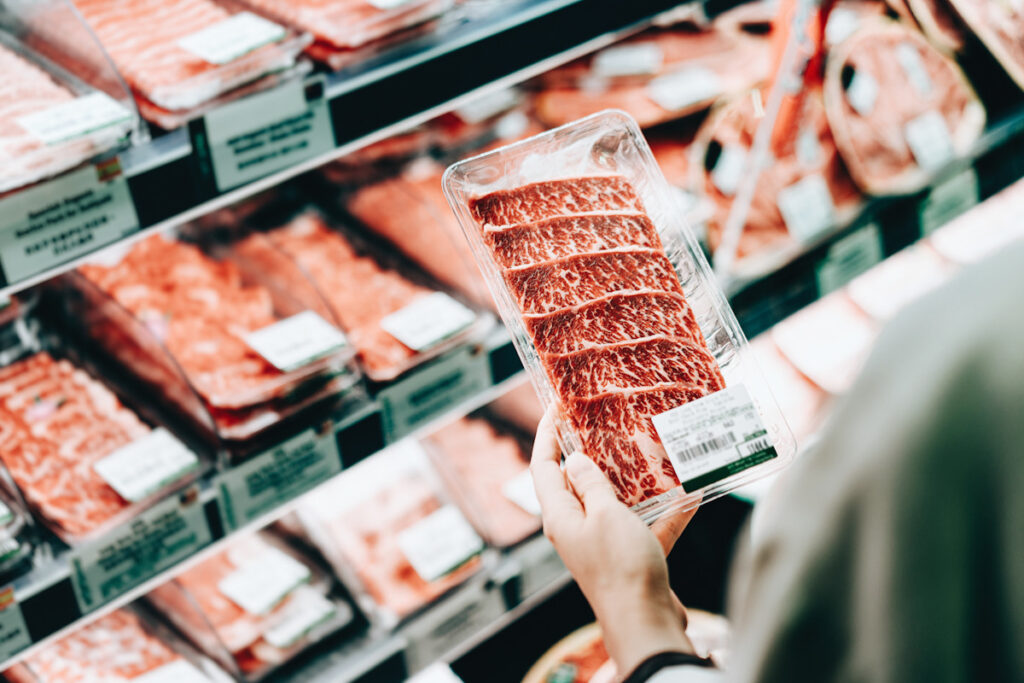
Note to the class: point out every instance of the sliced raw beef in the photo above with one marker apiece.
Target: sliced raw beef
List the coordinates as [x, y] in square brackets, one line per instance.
[612, 319]
[551, 198]
[899, 109]
[566, 235]
[1000, 26]
[574, 280]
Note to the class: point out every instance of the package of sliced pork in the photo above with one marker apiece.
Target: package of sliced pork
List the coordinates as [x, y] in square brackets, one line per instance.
[899, 109]
[616, 315]
[999, 24]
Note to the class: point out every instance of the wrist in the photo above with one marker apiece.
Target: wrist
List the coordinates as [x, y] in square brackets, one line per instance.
[636, 629]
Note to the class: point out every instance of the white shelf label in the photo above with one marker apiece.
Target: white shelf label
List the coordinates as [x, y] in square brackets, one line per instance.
[428, 321]
[913, 66]
[729, 169]
[440, 543]
[146, 465]
[75, 118]
[178, 671]
[138, 550]
[949, 199]
[432, 390]
[519, 489]
[14, 636]
[267, 132]
[807, 208]
[714, 437]
[642, 59]
[862, 93]
[928, 138]
[684, 88]
[541, 566]
[849, 257]
[229, 39]
[264, 580]
[296, 341]
[64, 218]
[480, 109]
[450, 622]
[304, 611]
[277, 476]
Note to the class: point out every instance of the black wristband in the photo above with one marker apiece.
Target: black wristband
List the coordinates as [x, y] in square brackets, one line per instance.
[661, 660]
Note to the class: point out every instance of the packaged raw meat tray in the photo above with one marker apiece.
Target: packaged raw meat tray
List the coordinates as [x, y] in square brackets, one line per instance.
[485, 467]
[253, 606]
[43, 130]
[235, 356]
[180, 53]
[389, 532]
[395, 319]
[614, 312]
[121, 647]
[82, 460]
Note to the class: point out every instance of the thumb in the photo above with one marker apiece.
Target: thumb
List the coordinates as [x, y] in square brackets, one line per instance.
[589, 482]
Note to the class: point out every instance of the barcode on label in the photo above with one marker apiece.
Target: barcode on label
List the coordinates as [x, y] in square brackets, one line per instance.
[709, 446]
[756, 446]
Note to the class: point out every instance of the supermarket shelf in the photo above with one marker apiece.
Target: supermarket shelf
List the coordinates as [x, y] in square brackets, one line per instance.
[78, 585]
[255, 143]
[883, 227]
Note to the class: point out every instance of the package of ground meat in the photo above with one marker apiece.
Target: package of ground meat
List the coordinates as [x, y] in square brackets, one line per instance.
[1000, 26]
[898, 108]
[485, 466]
[125, 646]
[391, 534]
[179, 54]
[616, 315]
[253, 606]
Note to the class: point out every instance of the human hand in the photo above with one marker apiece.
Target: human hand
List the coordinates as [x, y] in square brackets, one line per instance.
[617, 561]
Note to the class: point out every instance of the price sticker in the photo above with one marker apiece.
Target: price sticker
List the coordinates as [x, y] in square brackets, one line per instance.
[227, 40]
[480, 109]
[305, 610]
[842, 22]
[428, 321]
[685, 88]
[928, 138]
[146, 465]
[86, 115]
[296, 341]
[729, 169]
[913, 66]
[862, 93]
[642, 59]
[263, 581]
[807, 207]
[519, 489]
[440, 543]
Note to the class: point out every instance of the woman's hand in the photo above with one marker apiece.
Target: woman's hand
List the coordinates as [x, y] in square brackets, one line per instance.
[618, 562]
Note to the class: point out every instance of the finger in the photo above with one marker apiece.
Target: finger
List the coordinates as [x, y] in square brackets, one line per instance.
[669, 527]
[589, 482]
[557, 501]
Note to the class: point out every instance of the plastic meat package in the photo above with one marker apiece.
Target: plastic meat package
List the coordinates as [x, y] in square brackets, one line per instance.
[616, 315]
[394, 321]
[232, 354]
[486, 469]
[252, 606]
[75, 450]
[38, 138]
[1000, 26]
[179, 54]
[121, 647]
[388, 531]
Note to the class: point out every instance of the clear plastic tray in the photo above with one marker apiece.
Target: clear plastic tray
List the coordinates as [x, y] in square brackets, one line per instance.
[195, 50]
[357, 520]
[609, 148]
[119, 647]
[252, 645]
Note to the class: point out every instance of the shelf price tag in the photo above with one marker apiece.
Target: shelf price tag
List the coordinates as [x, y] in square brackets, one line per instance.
[947, 200]
[450, 622]
[277, 476]
[139, 549]
[14, 636]
[849, 257]
[64, 218]
[264, 133]
[432, 390]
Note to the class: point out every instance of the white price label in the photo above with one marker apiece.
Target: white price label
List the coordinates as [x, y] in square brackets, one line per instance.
[428, 321]
[808, 148]
[807, 207]
[146, 465]
[14, 636]
[304, 611]
[440, 543]
[64, 218]
[928, 138]
[479, 109]
[75, 118]
[862, 93]
[178, 671]
[714, 437]
[264, 581]
[519, 489]
[842, 22]
[684, 88]
[229, 39]
[642, 59]
[913, 66]
[296, 341]
[729, 169]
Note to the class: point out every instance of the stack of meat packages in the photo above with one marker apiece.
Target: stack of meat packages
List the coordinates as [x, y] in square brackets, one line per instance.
[359, 289]
[605, 310]
[188, 310]
[252, 606]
